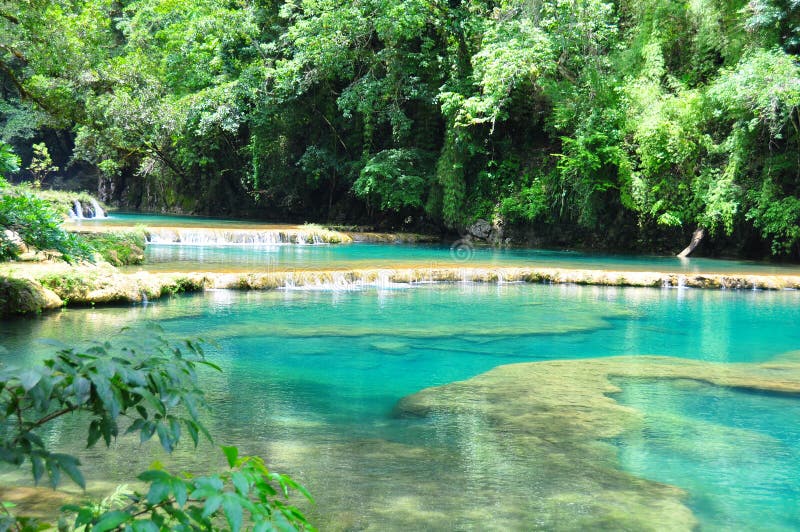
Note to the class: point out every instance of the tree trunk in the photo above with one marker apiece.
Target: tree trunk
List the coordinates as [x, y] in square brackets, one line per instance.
[697, 237]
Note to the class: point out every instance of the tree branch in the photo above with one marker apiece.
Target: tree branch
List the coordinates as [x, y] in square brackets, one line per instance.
[16, 53]
[23, 92]
[9, 17]
[51, 416]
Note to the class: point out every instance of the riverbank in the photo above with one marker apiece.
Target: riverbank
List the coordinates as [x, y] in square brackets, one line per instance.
[35, 287]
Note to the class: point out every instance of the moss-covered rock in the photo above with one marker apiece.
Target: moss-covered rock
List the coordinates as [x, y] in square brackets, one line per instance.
[24, 296]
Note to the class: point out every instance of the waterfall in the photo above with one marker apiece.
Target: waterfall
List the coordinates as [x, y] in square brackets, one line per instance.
[220, 237]
[77, 211]
[97, 210]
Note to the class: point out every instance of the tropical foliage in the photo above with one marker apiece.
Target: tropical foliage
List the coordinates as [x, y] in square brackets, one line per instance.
[619, 120]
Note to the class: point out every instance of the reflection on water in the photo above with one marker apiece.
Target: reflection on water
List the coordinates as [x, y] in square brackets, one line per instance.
[311, 381]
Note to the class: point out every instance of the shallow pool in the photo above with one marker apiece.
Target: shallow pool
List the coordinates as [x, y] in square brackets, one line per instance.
[311, 380]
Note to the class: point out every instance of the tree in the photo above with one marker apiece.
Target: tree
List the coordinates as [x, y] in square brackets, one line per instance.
[156, 392]
[41, 165]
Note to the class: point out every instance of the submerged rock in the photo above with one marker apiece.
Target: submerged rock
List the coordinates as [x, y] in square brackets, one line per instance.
[551, 421]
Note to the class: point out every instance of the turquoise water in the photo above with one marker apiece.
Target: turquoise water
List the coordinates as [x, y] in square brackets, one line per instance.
[240, 258]
[736, 452]
[311, 380]
[175, 257]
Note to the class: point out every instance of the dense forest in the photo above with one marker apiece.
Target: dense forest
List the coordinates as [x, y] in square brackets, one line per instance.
[618, 124]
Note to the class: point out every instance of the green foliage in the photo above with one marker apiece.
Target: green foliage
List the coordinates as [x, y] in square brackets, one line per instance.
[395, 178]
[120, 248]
[247, 493]
[654, 113]
[156, 391]
[42, 164]
[38, 224]
[777, 218]
[9, 162]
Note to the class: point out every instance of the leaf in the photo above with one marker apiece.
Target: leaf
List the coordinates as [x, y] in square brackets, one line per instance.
[191, 427]
[69, 464]
[37, 467]
[211, 505]
[240, 483]
[141, 525]
[233, 511]
[111, 520]
[210, 365]
[179, 489]
[29, 379]
[165, 438]
[154, 475]
[231, 453]
[159, 491]
[94, 433]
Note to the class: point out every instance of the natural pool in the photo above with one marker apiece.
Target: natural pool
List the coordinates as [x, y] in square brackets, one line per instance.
[312, 380]
[246, 258]
[170, 257]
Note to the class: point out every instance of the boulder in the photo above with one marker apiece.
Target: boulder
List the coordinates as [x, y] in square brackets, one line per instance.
[15, 240]
[491, 232]
[480, 229]
[25, 296]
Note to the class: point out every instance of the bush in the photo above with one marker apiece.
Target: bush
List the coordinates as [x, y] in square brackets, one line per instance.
[120, 248]
[34, 220]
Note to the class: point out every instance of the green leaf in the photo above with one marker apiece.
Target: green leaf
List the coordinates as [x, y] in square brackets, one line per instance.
[94, 433]
[231, 453]
[165, 438]
[233, 511]
[29, 379]
[191, 427]
[180, 492]
[240, 483]
[111, 520]
[211, 505]
[69, 464]
[141, 525]
[154, 475]
[159, 491]
[37, 467]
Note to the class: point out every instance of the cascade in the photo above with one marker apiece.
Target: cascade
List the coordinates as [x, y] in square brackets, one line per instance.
[97, 210]
[77, 211]
[220, 237]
